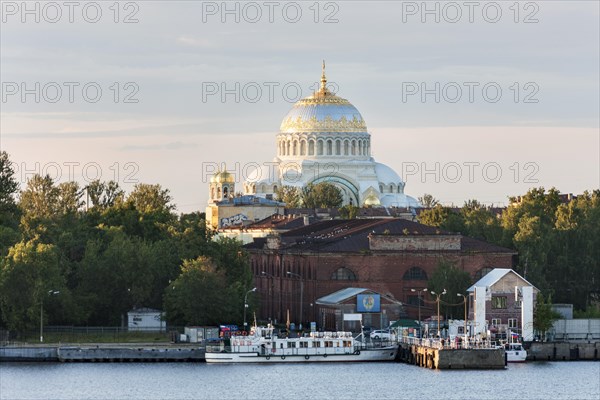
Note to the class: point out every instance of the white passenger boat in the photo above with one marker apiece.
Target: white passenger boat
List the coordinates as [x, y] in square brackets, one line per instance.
[263, 346]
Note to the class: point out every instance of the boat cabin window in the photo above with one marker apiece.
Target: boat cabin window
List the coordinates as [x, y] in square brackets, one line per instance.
[304, 344]
[291, 344]
[316, 343]
[328, 343]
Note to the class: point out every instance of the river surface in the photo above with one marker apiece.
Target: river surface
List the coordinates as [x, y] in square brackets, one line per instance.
[539, 380]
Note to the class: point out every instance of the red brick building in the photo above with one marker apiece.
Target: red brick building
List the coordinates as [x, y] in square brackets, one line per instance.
[390, 256]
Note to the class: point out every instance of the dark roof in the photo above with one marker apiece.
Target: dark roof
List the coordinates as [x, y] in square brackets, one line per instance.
[279, 222]
[353, 235]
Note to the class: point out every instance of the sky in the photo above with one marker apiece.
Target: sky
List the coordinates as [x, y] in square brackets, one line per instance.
[465, 100]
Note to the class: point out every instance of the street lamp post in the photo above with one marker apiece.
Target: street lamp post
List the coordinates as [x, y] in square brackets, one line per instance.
[438, 310]
[465, 302]
[272, 306]
[246, 306]
[419, 291]
[50, 292]
[301, 292]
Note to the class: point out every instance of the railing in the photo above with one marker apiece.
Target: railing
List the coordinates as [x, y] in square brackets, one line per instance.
[461, 343]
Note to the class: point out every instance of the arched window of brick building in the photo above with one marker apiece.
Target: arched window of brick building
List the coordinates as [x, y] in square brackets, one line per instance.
[343, 274]
[415, 274]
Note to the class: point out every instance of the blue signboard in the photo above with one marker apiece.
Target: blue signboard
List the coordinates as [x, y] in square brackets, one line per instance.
[368, 303]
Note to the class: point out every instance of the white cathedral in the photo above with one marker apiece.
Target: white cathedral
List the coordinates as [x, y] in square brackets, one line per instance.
[323, 138]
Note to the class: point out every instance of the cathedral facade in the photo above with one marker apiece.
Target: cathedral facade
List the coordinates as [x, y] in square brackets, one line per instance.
[324, 138]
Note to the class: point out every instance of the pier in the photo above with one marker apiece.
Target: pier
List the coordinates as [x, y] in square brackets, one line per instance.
[445, 354]
[104, 353]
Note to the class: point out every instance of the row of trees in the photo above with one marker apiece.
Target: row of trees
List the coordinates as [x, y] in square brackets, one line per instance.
[317, 195]
[558, 242]
[106, 252]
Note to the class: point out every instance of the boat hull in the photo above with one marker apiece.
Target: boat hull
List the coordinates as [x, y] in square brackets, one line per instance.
[381, 354]
[516, 356]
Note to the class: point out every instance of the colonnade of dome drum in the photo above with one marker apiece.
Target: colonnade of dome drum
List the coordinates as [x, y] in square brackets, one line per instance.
[345, 146]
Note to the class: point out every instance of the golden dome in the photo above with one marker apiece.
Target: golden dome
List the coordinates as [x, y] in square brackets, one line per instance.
[323, 112]
[222, 177]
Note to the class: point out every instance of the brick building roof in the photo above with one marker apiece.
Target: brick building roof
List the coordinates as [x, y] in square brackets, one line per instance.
[353, 236]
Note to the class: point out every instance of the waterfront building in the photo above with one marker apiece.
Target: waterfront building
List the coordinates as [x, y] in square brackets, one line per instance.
[505, 308]
[388, 256]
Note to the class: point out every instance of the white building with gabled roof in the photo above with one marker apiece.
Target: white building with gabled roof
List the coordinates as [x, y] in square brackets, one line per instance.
[503, 301]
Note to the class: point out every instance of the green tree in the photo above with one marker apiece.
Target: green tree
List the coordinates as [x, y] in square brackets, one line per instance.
[9, 213]
[9, 186]
[149, 199]
[447, 276]
[39, 206]
[290, 195]
[574, 270]
[349, 211]
[428, 201]
[104, 194]
[480, 223]
[200, 295]
[543, 314]
[442, 217]
[28, 272]
[321, 195]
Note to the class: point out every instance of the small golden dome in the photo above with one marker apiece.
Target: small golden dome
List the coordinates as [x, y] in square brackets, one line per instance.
[222, 177]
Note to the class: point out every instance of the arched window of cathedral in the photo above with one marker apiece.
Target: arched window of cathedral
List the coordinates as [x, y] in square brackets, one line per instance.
[329, 147]
[354, 147]
[360, 151]
[253, 188]
[303, 148]
[415, 274]
[288, 148]
[346, 147]
[275, 189]
[295, 147]
[311, 148]
[218, 192]
[338, 148]
[380, 188]
[343, 274]
[482, 272]
[212, 192]
[263, 188]
[225, 191]
[319, 147]
[392, 188]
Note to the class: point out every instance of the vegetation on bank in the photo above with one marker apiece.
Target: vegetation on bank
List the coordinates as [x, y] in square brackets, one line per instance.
[558, 243]
[87, 255]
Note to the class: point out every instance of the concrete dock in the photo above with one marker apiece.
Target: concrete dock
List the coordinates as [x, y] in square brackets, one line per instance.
[566, 351]
[437, 355]
[104, 353]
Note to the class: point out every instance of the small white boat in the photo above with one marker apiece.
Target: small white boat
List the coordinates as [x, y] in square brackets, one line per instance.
[263, 346]
[515, 352]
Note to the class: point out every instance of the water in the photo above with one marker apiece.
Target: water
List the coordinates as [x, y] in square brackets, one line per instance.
[540, 380]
